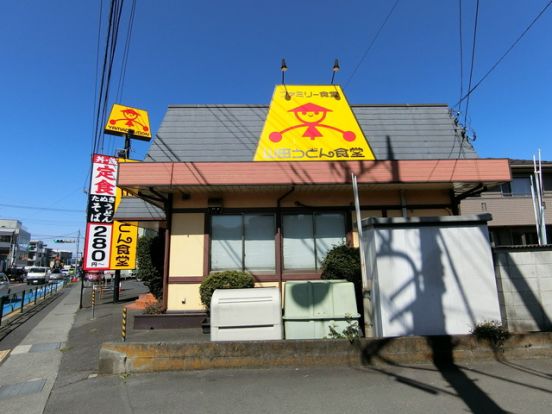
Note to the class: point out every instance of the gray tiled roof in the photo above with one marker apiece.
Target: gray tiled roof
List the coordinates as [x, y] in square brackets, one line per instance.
[133, 208]
[231, 132]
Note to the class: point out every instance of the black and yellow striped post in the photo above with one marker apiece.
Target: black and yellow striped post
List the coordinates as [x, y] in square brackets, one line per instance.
[93, 301]
[123, 324]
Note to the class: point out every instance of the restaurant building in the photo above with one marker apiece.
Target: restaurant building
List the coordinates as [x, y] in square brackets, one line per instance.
[268, 189]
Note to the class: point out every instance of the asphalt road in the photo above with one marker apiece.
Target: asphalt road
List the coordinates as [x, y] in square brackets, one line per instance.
[515, 387]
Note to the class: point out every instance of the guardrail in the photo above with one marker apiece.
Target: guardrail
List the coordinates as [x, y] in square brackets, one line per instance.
[17, 301]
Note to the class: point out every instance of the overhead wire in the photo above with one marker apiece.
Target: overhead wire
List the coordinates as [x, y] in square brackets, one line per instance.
[461, 51]
[472, 61]
[112, 41]
[66, 210]
[103, 80]
[472, 89]
[123, 65]
[374, 39]
[120, 88]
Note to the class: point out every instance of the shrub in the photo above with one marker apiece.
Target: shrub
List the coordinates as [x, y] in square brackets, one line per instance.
[149, 255]
[342, 262]
[230, 279]
[351, 332]
[492, 331]
[153, 309]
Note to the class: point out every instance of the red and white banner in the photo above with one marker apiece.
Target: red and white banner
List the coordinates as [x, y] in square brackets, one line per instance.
[101, 207]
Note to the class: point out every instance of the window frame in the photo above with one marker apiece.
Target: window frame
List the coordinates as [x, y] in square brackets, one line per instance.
[313, 213]
[243, 240]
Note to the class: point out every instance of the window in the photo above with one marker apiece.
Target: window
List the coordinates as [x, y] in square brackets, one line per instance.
[243, 242]
[309, 237]
[519, 186]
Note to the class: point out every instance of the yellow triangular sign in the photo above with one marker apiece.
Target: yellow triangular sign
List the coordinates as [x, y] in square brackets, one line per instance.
[311, 123]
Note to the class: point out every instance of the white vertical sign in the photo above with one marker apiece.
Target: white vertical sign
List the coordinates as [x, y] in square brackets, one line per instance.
[101, 207]
[97, 249]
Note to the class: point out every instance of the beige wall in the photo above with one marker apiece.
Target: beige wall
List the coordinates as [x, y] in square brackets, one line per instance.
[506, 211]
[187, 239]
[321, 198]
[184, 297]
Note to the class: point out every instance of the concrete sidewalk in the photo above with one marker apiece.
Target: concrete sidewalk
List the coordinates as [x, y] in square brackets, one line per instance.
[29, 373]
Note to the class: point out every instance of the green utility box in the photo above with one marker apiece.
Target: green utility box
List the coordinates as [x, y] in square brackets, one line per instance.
[311, 307]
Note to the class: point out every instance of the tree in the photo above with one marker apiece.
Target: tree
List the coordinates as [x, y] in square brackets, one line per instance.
[150, 255]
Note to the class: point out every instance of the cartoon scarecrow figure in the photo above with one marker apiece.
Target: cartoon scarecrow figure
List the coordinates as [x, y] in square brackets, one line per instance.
[311, 116]
[131, 118]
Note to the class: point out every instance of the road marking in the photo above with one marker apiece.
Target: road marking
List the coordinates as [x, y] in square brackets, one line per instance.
[21, 349]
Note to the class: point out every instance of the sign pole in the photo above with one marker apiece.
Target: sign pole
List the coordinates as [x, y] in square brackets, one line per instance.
[117, 278]
[366, 281]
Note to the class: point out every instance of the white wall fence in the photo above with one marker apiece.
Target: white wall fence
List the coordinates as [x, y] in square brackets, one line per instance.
[431, 275]
[524, 283]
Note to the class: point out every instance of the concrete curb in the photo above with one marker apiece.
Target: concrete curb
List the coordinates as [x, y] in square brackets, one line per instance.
[126, 358]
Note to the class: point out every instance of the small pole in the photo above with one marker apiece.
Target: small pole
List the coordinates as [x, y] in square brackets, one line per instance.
[36, 295]
[12, 301]
[2, 300]
[93, 300]
[82, 283]
[123, 324]
[22, 300]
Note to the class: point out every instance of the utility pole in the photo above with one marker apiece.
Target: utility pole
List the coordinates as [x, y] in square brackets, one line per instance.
[77, 253]
[117, 278]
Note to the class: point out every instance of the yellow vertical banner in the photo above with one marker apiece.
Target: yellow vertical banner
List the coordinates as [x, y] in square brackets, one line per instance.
[123, 245]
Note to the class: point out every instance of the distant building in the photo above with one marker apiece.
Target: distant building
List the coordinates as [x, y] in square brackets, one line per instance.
[14, 244]
[37, 254]
[511, 206]
[59, 258]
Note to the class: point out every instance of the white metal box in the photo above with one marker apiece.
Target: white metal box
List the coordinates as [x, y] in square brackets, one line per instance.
[246, 314]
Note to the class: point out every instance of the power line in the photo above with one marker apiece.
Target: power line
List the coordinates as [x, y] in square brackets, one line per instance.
[115, 20]
[121, 85]
[470, 90]
[472, 60]
[107, 68]
[461, 49]
[42, 208]
[95, 102]
[372, 42]
[103, 79]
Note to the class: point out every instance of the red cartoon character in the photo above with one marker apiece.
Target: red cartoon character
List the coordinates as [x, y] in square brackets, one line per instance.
[311, 116]
[131, 118]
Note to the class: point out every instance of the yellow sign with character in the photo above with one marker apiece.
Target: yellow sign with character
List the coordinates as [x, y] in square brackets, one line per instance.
[311, 123]
[125, 120]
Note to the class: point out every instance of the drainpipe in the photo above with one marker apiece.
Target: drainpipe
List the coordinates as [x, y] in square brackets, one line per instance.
[403, 205]
[279, 227]
[168, 217]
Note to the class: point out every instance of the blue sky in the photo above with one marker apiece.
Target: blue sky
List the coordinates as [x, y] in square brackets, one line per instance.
[229, 52]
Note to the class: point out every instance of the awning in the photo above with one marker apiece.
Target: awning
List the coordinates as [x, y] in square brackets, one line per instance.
[150, 179]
